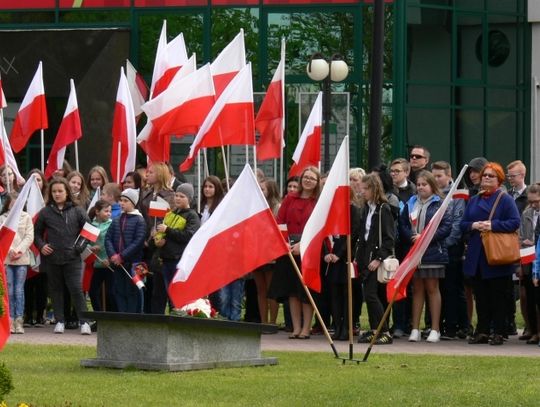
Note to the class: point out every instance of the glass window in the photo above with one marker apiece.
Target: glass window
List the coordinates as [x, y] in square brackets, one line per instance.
[469, 134]
[429, 53]
[469, 96]
[502, 140]
[431, 128]
[429, 95]
[469, 39]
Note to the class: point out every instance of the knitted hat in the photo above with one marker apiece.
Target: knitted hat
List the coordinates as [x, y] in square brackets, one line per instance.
[132, 195]
[187, 189]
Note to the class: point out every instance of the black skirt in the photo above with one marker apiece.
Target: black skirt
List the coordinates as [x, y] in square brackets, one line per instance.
[285, 282]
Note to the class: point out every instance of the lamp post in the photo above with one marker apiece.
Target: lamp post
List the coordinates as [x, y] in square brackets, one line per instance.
[325, 70]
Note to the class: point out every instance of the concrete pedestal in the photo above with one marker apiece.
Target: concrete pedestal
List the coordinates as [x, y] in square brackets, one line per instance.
[160, 342]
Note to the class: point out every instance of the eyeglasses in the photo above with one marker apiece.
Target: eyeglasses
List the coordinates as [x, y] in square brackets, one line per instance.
[416, 156]
[310, 178]
[395, 171]
[512, 176]
[486, 175]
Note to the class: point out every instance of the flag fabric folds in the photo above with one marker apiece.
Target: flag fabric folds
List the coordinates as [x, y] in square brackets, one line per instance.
[7, 234]
[527, 254]
[331, 216]
[308, 149]
[240, 236]
[70, 131]
[228, 63]
[32, 114]
[6, 153]
[124, 133]
[137, 87]
[270, 120]
[230, 121]
[398, 285]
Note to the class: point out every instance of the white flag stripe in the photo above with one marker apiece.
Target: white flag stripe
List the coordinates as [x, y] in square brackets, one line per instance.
[244, 200]
[36, 88]
[232, 58]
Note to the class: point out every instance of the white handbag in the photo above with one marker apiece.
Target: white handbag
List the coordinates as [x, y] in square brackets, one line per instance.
[389, 266]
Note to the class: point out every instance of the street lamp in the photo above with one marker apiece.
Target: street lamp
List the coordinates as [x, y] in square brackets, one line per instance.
[325, 70]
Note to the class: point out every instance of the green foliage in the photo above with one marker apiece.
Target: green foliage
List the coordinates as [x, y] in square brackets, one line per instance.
[52, 376]
[6, 382]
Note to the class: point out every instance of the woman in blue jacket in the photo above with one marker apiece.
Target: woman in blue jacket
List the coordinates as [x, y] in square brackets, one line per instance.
[491, 284]
[416, 215]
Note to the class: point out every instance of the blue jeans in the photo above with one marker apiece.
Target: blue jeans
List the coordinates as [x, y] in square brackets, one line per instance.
[16, 276]
[231, 300]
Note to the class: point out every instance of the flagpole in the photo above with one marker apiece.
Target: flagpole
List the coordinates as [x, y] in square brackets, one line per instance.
[254, 159]
[312, 302]
[199, 181]
[42, 132]
[4, 141]
[76, 155]
[349, 300]
[206, 171]
[225, 167]
[283, 123]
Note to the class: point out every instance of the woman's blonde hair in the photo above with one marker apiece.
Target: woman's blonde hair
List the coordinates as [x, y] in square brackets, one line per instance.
[374, 184]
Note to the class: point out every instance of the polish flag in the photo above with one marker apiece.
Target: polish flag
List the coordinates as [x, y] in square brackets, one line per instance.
[240, 236]
[6, 153]
[528, 255]
[158, 209]
[90, 232]
[137, 87]
[461, 194]
[270, 121]
[413, 218]
[3, 102]
[88, 257]
[230, 121]
[124, 133]
[284, 231]
[308, 150]
[396, 289]
[34, 204]
[32, 115]
[179, 110]
[7, 234]
[137, 280]
[169, 59]
[331, 216]
[69, 132]
[157, 148]
[228, 63]
[95, 198]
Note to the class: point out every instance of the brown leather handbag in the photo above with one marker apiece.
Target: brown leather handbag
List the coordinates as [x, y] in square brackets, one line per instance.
[500, 248]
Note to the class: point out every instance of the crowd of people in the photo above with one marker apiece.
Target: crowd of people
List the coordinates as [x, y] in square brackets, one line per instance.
[390, 207]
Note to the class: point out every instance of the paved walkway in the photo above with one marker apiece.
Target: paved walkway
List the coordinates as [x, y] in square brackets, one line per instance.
[317, 343]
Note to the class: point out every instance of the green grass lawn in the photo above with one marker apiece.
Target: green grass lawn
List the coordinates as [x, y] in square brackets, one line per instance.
[51, 376]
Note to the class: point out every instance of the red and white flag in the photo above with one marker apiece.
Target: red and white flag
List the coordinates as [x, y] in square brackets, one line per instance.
[90, 232]
[159, 208]
[3, 102]
[230, 121]
[137, 280]
[32, 115]
[179, 110]
[528, 255]
[156, 147]
[95, 198]
[461, 194]
[270, 120]
[396, 289]
[308, 150]
[240, 236]
[284, 231]
[330, 217]
[70, 131]
[169, 59]
[7, 234]
[6, 153]
[137, 87]
[124, 133]
[228, 63]
[34, 204]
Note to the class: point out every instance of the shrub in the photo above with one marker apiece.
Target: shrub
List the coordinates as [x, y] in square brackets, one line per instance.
[6, 383]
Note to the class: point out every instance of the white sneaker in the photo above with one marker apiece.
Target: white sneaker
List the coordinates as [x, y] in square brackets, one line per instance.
[415, 336]
[85, 329]
[433, 336]
[59, 328]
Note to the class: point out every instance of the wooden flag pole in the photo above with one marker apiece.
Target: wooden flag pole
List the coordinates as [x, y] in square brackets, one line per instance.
[312, 302]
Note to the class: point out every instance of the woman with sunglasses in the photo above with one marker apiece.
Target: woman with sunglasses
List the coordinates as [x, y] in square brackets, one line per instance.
[490, 283]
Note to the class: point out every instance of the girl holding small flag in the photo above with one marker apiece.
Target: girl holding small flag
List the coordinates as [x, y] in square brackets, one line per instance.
[56, 231]
[102, 275]
[124, 244]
